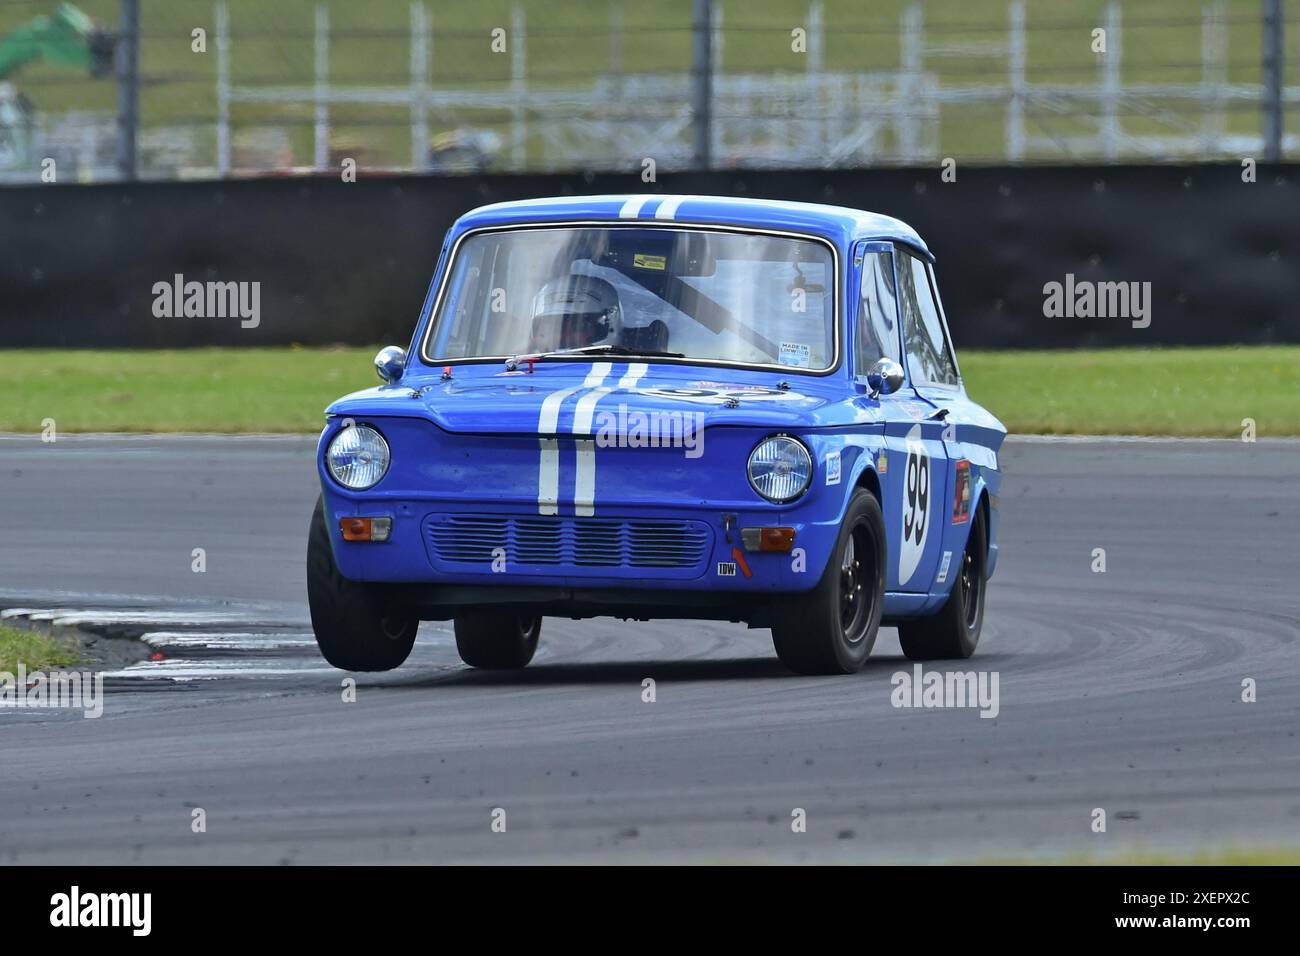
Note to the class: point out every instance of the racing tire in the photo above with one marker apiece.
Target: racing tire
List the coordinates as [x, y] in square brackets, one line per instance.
[497, 640]
[954, 630]
[354, 628]
[832, 628]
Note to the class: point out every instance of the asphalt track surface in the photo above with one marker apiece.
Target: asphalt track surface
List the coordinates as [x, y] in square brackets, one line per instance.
[1118, 690]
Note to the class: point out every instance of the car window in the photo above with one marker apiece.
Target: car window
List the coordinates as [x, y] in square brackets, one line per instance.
[927, 350]
[710, 295]
[877, 312]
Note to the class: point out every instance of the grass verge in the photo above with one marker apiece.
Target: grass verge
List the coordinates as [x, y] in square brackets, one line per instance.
[1177, 391]
[1183, 391]
[34, 650]
[1259, 856]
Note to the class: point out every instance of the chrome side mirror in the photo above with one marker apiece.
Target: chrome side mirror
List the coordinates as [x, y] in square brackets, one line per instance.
[390, 363]
[885, 377]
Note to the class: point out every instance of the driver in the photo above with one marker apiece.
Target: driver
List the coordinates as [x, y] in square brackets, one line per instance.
[574, 312]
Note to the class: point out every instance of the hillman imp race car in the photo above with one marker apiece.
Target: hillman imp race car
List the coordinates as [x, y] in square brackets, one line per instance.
[662, 407]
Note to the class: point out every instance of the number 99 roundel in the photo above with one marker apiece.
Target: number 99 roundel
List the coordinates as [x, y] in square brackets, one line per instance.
[916, 506]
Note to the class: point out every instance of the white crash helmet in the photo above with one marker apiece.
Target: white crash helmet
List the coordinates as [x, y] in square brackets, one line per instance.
[575, 311]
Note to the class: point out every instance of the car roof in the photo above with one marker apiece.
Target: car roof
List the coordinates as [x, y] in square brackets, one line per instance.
[837, 223]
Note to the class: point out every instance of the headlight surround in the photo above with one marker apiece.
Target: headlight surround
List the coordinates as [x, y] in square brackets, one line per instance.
[780, 468]
[357, 457]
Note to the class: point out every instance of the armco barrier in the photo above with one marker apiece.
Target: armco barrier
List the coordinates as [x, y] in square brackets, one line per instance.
[351, 262]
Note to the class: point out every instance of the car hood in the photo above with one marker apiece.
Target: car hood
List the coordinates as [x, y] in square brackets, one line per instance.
[561, 398]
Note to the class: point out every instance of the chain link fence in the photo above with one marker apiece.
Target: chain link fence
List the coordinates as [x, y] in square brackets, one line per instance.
[246, 87]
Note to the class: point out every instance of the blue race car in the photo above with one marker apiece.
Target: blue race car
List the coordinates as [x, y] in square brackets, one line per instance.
[662, 407]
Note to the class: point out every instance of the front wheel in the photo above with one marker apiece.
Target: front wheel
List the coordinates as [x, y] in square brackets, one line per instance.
[954, 630]
[497, 640]
[832, 628]
[354, 628]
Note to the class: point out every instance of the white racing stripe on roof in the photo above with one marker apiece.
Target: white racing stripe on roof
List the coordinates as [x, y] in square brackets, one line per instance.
[668, 208]
[632, 208]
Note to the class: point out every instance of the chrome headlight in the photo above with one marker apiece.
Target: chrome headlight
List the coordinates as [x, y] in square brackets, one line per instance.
[780, 468]
[357, 457]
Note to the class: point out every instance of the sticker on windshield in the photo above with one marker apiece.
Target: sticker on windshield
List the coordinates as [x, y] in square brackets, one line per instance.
[797, 354]
[642, 260]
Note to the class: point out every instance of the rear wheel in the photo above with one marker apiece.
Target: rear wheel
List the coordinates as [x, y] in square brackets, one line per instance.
[497, 640]
[832, 628]
[954, 630]
[355, 629]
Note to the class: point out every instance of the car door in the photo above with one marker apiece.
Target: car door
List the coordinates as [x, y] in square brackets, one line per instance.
[972, 438]
[926, 479]
[913, 464]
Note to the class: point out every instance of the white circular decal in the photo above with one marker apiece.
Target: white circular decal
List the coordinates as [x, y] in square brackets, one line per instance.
[916, 506]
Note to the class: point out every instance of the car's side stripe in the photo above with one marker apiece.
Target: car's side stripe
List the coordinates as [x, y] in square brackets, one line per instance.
[668, 208]
[632, 208]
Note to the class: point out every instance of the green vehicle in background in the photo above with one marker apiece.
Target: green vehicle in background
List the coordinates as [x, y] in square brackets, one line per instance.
[68, 37]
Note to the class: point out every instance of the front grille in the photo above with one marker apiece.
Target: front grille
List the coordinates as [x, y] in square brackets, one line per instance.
[560, 545]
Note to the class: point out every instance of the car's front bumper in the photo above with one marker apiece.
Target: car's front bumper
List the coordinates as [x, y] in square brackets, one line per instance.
[697, 549]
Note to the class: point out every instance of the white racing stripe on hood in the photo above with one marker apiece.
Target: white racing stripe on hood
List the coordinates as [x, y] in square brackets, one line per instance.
[548, 469]
[635, 372]
[599, 372]
[584, 492]
[584, 497]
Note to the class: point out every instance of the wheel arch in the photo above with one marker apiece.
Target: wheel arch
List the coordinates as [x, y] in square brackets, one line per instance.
[868, 479]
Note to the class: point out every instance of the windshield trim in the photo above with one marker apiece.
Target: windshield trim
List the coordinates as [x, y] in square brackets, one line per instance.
[449, 269]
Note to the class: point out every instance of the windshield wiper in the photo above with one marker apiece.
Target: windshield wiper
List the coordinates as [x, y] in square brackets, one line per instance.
[515, 361]
[626, 350]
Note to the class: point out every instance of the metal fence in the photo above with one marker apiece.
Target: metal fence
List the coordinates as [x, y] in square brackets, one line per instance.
[303, 86]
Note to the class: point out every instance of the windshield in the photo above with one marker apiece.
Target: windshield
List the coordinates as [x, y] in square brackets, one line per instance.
[706, 296]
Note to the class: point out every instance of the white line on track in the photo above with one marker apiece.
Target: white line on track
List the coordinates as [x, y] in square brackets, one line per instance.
[1139, 440]
[142, 616]
[243, 641]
